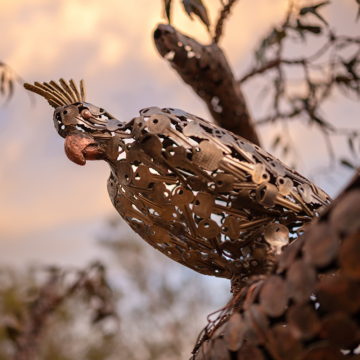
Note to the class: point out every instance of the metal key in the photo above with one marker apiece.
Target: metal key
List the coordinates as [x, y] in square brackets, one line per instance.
[308, 195]
[160, 235]
[182, 198]
[176, 157]
[208, 229]
[149, 111]
[253, 152]
[257, 171]
[125, 208]
[197, 183]
[286, 187]
[225, 138]
[112, 189]
[207, 156]
[112, 147]
[178, 229]
[143, 178]
[193, 128]
[151, 145]
[268, 195]
[124, 172]
[276, 167]
[134, 153]
[224, 183]
[320, 193]
[247, 150]
[166, 212]
[176, 112]
[204, 205]
[277, 236]
[300, 201]
[245, 225]
[296, 176]
[245, 186]
[158, 193]
[230, 228]
[161, 124]
[138, 125]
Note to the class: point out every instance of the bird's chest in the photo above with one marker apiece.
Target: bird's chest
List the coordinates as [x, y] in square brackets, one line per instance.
[207, 200]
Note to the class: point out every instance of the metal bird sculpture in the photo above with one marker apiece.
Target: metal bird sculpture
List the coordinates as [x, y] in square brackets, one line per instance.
[204, 197]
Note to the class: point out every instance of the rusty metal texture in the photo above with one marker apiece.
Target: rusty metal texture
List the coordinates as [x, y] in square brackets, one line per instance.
[308, 308]
[201, 195]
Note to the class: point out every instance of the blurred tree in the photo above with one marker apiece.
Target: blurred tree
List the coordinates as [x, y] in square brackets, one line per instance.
[296, 87]
[56, 314]
[8, 78]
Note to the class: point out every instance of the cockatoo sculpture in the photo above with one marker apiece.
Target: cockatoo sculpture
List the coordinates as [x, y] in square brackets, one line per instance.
[206, 198]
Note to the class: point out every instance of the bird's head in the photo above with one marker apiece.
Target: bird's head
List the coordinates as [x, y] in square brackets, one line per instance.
[86, 128]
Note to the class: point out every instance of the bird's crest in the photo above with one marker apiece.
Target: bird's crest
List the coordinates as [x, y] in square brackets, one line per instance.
[59, 94]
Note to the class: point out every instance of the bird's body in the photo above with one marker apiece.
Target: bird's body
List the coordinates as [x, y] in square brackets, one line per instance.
[201, 195]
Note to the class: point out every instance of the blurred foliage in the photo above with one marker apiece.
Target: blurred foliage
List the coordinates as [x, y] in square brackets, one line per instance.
[191, 7]
[8, 78]
[156, 313]
[335, 65]
[56, 314]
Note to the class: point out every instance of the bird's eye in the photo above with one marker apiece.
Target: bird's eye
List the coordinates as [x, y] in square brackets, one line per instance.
[86, 114]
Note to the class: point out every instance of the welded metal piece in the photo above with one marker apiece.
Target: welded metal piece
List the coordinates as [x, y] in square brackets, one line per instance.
[204, 197]
[308, 307]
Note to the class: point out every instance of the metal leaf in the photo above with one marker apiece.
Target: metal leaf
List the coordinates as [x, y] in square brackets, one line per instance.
[304, 320]
[300, 281]
[339, 330]
[234, 332]
[349, 257]
[273, 296]
[323, 247]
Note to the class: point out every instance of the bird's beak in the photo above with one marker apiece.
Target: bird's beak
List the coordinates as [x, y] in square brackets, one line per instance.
[80, 147]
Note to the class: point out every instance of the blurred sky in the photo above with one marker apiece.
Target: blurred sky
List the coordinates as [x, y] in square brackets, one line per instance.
[51, 210]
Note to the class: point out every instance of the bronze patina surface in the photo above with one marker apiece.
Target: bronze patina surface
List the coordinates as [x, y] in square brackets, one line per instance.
[308, 307]
[204, 197]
